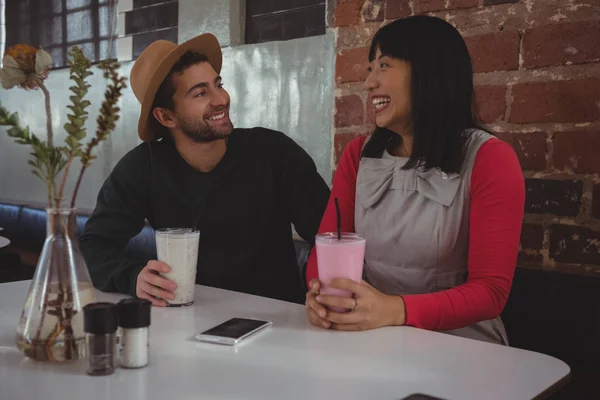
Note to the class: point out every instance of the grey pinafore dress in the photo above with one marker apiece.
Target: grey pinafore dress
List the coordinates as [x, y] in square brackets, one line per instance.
[416, 223]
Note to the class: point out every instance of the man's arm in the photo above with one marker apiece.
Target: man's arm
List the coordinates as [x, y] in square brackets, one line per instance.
[121, 208]
[304, 190]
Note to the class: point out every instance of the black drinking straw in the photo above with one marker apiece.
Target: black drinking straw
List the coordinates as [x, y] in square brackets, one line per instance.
[339, 219]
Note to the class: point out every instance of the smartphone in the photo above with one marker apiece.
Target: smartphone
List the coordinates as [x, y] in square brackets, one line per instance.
[233, 331]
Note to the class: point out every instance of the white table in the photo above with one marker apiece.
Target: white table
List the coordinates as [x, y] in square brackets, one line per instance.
[291, 360]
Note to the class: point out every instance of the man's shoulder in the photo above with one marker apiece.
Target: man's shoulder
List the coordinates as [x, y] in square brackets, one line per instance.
[260, 138]
[259, 134]
[135, 159]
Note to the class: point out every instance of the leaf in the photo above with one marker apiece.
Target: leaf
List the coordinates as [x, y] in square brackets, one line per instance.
[71, 130]
[80, 135]
[37, 173]
[71, 141]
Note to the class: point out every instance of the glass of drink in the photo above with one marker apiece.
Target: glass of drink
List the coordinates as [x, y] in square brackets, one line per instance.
[339, 258]
[178, 248]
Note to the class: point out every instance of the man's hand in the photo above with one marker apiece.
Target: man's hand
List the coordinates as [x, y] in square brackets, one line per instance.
[151, 286]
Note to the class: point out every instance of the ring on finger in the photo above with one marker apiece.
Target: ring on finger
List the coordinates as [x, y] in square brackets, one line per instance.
[355, 308]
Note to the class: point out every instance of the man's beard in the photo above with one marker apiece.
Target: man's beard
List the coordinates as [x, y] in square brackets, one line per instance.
[200, 131]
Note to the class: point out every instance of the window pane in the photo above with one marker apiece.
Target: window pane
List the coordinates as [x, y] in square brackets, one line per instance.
[71, 4]
[269, 27]
[105, 53]
[257, 7]
[24, 34]
[79, 26]
[88, 50]
[144, 3]
[284, 19]
[304, 3]
[56, 5]
[140, 42]
[281, 5]
[57, 56]
[51, 31]
[24, 11]
[293, 24]
[315, 21]
[108, 20]
[151, 18]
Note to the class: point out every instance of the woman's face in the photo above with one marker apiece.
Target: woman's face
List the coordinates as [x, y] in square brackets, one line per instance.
[389, 89]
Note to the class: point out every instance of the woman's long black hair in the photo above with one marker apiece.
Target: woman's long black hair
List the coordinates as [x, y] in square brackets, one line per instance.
[441, 91]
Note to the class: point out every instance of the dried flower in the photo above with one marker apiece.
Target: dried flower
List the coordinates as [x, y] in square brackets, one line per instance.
[24, 66]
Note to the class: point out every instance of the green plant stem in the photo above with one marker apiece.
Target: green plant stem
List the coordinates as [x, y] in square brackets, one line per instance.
[79, 178]
[64, 180]
[48, 112]
[51, 183]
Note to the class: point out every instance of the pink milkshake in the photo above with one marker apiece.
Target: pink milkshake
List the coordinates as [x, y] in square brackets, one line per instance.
[339, 259]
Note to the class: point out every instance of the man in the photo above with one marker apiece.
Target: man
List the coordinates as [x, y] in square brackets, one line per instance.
[242, 188]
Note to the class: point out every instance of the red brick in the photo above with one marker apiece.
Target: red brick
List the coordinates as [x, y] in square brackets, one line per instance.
[529, 147]
[341, 140]
[425, 6]
[529, 257]
[351, 65]
[496, 2]
[557, 101]
[543, 12]
[596, 201]
[349, 111]
[574, 244]
[347, 13]
[395, 9]
[551, 196]
[577, 151]
[355, 36]
[532, 236]
[574, 43]
[494, 51]
[491, 102]
[373, 10]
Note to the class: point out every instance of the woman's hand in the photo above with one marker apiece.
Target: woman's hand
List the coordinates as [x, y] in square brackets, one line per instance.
[369, 307]
[314, 310]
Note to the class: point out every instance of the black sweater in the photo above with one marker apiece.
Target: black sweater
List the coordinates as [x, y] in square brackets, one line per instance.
[244, 209]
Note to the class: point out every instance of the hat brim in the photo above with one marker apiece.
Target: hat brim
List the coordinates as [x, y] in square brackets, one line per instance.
[207, 44]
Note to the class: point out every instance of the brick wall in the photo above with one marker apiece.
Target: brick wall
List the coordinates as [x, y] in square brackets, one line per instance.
[537, 65]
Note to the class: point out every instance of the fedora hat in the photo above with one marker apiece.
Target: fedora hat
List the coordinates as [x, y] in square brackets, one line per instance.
[152, 67]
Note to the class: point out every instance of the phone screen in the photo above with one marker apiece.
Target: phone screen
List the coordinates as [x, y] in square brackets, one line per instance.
[235, 328]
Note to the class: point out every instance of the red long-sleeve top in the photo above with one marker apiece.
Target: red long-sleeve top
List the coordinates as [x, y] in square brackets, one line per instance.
[497, 202]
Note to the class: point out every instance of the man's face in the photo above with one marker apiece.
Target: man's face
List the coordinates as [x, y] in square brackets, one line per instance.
[201, 104]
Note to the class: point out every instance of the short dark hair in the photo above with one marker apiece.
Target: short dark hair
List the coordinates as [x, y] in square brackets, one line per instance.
[441, 90]
[164, 94]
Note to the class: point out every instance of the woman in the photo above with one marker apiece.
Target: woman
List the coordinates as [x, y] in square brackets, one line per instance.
[439, 200]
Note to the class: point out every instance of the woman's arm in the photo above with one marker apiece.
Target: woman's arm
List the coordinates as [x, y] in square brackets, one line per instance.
[495, 217]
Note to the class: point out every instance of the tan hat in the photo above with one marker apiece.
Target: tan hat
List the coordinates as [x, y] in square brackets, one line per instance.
[152, 67]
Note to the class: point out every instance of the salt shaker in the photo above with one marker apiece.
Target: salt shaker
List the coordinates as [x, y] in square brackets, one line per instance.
[100, 326]
[134, 321]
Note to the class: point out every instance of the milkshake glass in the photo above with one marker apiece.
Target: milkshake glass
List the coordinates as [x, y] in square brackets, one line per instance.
[178, 248]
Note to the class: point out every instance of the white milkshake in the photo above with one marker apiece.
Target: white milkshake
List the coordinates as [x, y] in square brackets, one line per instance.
[178, 248]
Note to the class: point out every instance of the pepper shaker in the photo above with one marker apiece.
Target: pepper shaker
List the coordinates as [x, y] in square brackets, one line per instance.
[134, 322]
[100, 326]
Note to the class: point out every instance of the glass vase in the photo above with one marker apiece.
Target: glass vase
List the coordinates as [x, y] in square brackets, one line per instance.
[51, 324]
